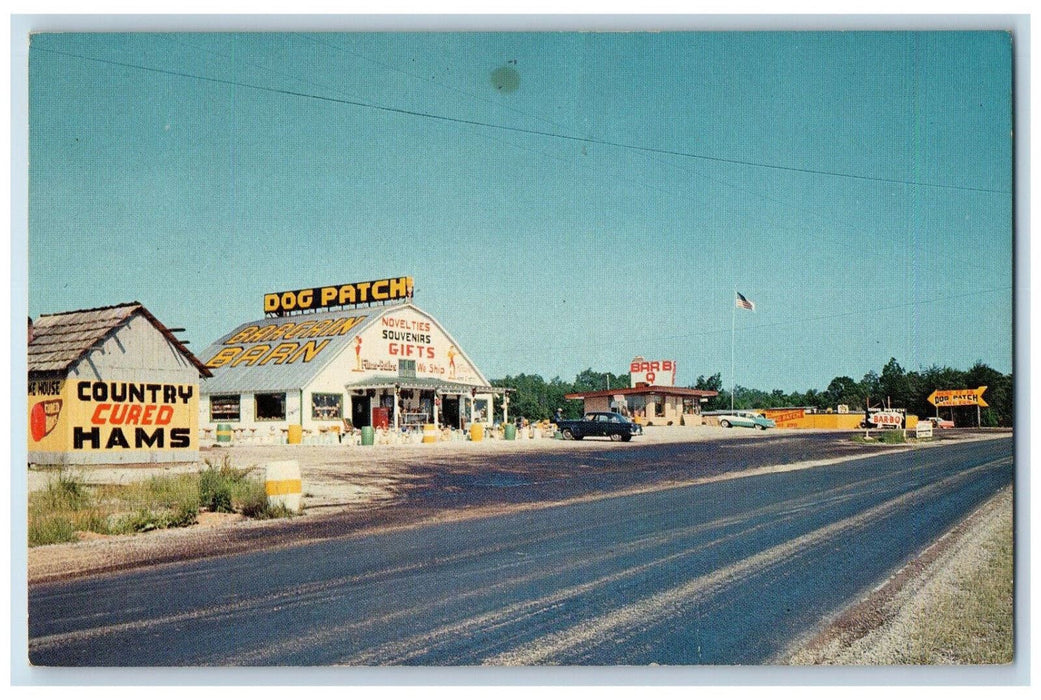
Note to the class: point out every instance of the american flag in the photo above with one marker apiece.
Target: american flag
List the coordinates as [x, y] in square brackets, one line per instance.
[743, 303]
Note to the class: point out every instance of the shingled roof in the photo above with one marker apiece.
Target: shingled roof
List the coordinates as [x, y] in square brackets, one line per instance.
[61, 340]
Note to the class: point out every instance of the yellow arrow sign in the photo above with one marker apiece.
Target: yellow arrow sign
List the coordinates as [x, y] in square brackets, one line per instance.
[958, 397]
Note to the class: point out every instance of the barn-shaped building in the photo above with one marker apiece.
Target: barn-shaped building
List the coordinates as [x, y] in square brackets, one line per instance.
[386, 366]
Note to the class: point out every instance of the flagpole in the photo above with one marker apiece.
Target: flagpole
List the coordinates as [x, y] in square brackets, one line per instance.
[733, 379]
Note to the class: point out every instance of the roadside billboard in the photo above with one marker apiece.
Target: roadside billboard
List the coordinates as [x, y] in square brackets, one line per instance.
[82, 416]
[652, 372]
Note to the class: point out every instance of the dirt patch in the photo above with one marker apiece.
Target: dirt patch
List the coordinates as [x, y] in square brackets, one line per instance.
[206, 519]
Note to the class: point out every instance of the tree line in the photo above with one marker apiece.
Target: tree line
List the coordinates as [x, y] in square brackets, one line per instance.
[535, 398]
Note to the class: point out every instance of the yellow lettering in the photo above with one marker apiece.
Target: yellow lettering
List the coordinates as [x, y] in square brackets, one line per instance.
[347, 294]
[363, 290]
[305, 298]
[264, 333]
[319, 329]
[252, 355]
[348, 324]
[280, 354]
[270, 302]
[243, 336]
[288, 301]
[398, 287]
[223, 357]
[309, 351]
[328, 295]
[379, 290]
[284, 331]
[300, 330]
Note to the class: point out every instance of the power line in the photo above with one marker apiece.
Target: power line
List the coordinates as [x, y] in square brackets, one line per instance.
[662, 161]
[515, 129]
[778, 324]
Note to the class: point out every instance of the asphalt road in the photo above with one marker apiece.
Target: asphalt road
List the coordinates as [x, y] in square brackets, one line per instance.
[721, 573]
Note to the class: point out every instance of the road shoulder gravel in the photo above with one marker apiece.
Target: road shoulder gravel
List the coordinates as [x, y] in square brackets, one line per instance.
[895, 623]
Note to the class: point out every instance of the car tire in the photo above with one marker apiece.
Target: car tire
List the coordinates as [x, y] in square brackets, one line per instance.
[724, 424]
[615, 437]
[567, 434]
[627, 438]
[760, 427]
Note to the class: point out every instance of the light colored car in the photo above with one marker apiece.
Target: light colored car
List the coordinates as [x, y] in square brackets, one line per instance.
[940, 423]
[745, 419]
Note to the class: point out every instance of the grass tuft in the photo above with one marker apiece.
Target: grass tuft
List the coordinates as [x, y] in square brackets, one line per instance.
[893, 437]
[68, 505]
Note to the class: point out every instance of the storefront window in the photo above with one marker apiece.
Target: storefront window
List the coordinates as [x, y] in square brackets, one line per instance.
[659, 406]
[224, 408]
[407, 369]
[271, 406]
[326, 406]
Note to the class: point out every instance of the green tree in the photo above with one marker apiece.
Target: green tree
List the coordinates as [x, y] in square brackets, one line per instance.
[590, 380]
[844, 390]
[894, 385]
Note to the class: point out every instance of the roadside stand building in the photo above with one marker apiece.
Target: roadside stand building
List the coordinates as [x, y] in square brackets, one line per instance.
[652, 397]
[332, 359]
[111, 385]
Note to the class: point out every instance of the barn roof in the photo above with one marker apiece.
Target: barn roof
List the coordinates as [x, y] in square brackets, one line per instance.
[233, 378]
[61, 340]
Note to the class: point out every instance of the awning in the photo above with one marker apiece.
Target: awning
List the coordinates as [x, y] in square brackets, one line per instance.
[424, 384]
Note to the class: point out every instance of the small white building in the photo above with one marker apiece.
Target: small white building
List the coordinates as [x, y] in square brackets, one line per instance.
[388, 366]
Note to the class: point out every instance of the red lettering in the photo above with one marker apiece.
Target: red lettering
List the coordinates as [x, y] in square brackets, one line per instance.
[146, 419]
[133, 415]
[164, 416]
[98, 417]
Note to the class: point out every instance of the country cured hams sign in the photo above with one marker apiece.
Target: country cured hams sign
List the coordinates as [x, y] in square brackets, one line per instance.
[88, 416]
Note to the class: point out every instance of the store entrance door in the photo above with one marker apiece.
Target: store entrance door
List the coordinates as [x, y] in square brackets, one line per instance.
[450, 411]
[361, 411]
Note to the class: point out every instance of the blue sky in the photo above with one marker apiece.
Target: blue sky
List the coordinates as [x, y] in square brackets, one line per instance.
[856, 186]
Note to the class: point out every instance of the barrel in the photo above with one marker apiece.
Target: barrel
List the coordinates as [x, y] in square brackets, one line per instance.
[223, 432]
[429, 432]
[476, 432]
[510, 431]
[296, 434]
[368, 435]
[283, 485]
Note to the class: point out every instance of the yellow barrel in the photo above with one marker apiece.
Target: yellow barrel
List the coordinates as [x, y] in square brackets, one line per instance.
[296, 434]
[283, 485]
[912, 421]
[429, 432]
[476, 432]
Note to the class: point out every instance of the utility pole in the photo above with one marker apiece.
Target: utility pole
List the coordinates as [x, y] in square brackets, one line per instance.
[733, 379]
